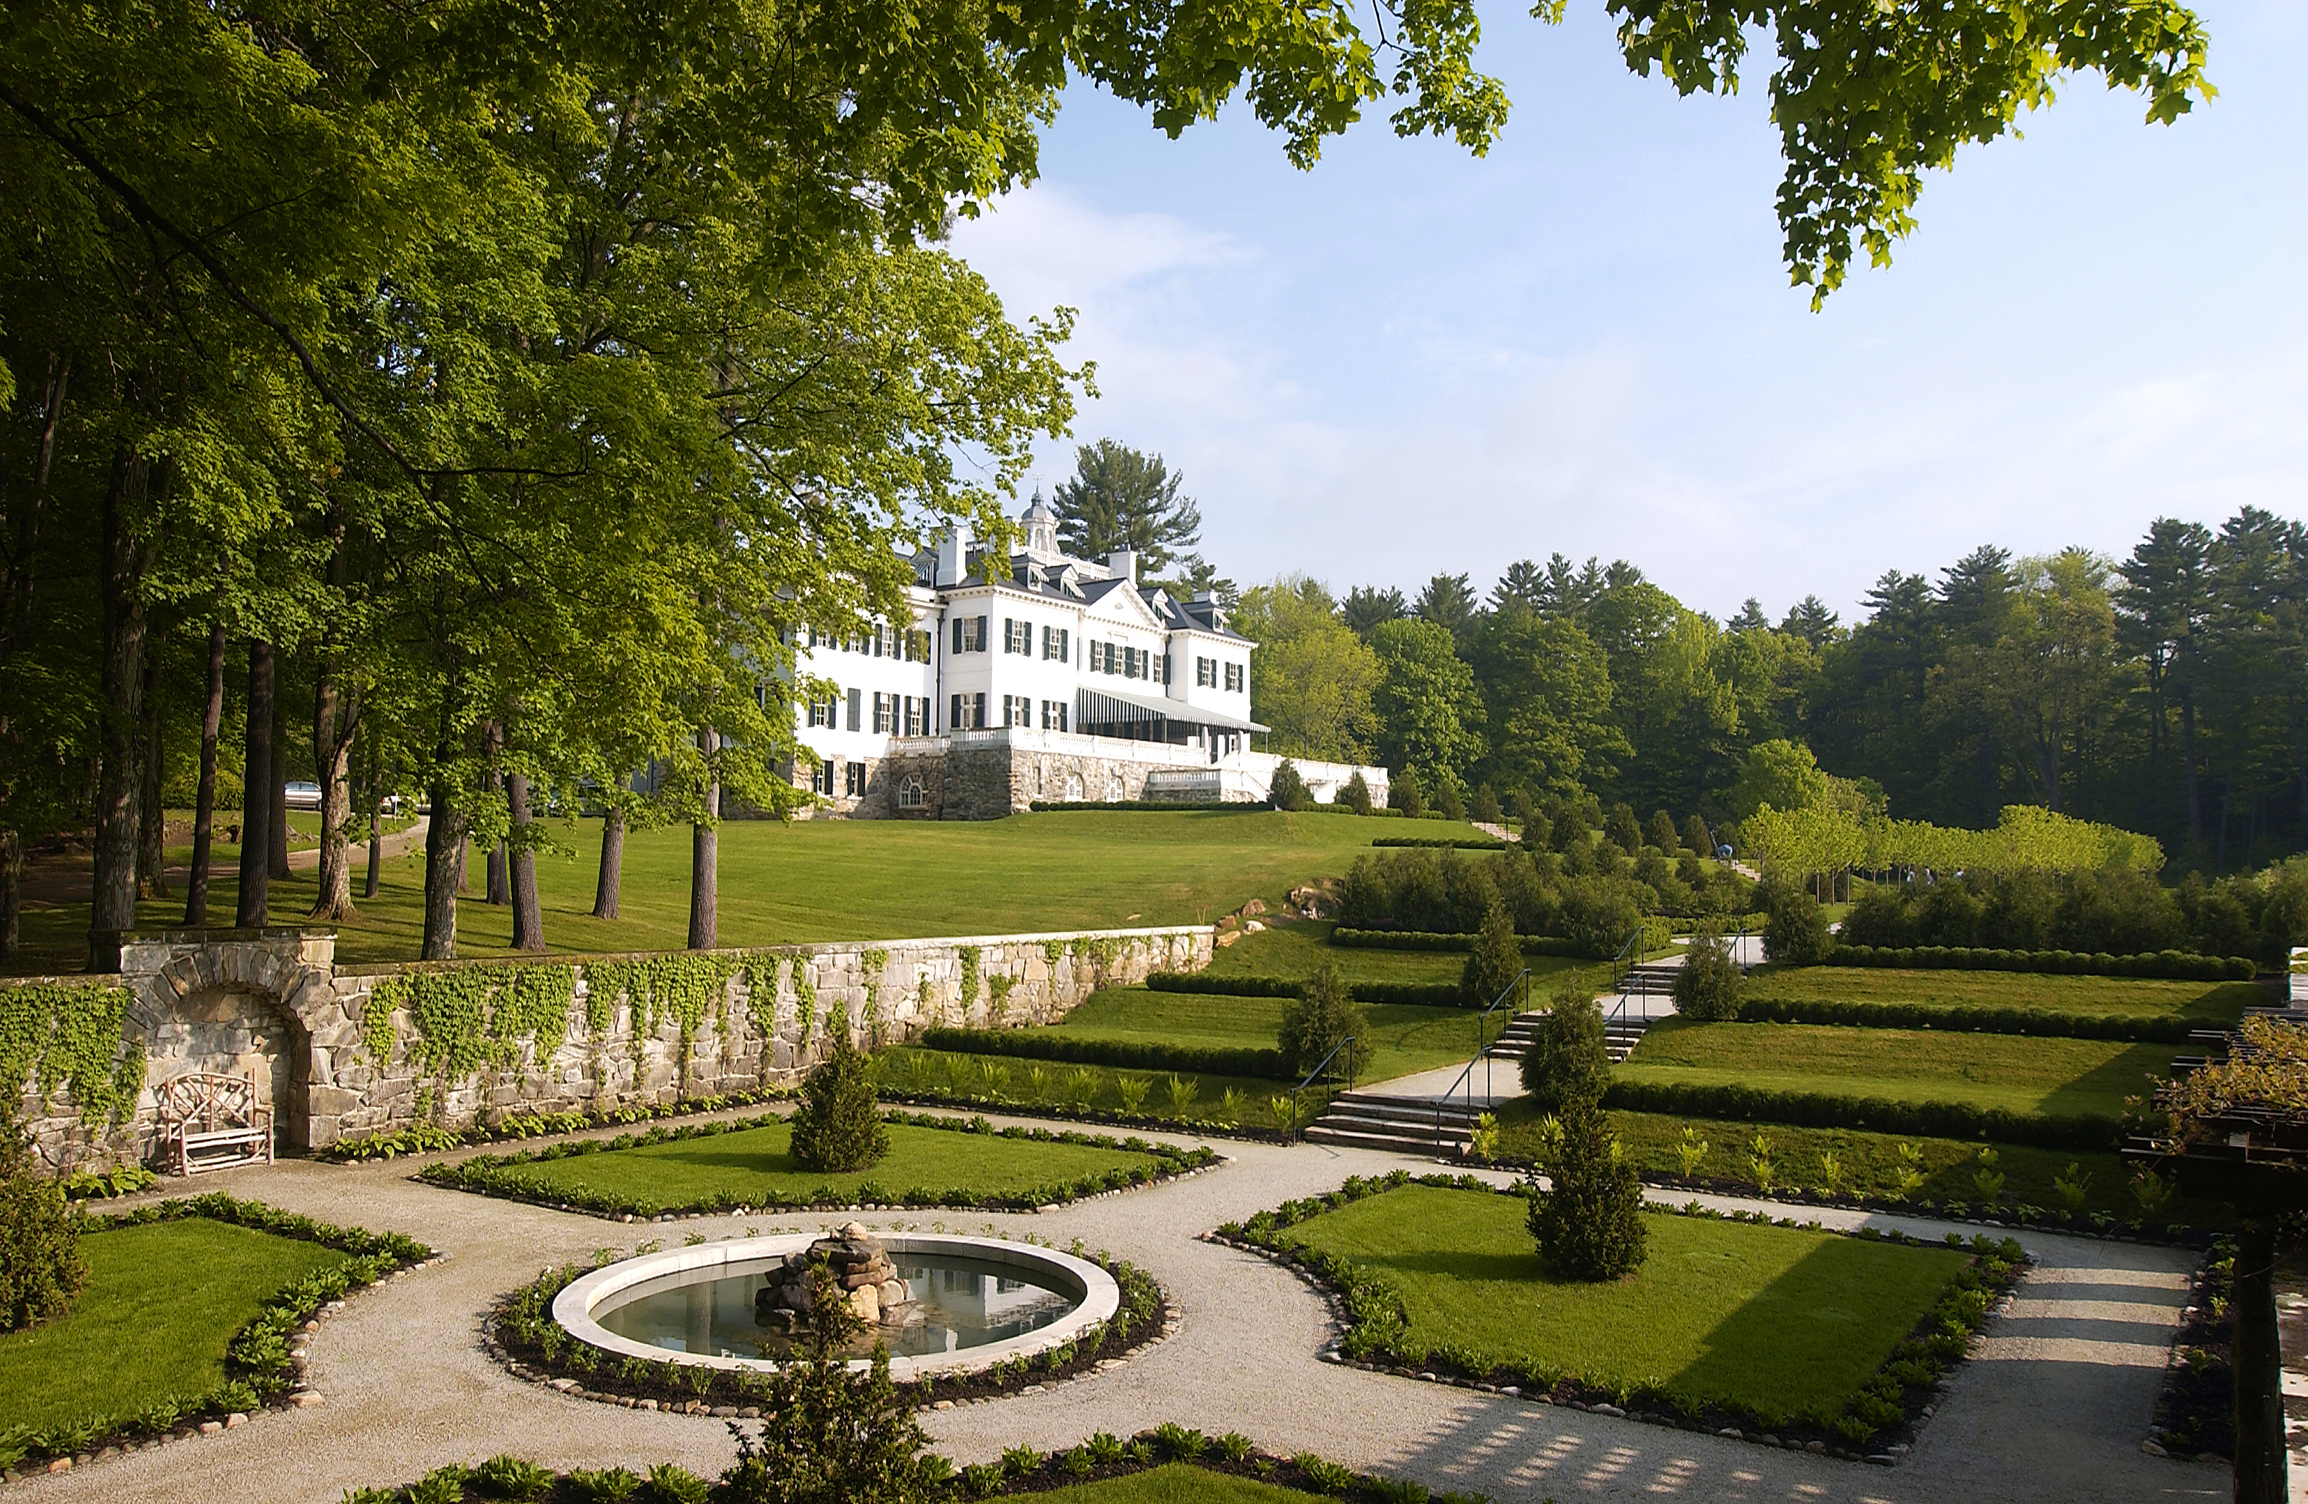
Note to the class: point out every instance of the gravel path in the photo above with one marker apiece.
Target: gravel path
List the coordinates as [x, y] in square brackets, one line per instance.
[2052, 1408]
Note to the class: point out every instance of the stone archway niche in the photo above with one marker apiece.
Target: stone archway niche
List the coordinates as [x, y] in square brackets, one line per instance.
[236, 1031]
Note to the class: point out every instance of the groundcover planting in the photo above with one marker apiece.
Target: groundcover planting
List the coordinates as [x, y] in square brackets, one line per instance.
[711, 1166]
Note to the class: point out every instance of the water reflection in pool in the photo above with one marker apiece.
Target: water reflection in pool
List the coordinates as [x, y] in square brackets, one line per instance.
[958, 1302]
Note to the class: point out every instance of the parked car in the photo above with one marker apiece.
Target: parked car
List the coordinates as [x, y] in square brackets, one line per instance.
[303, 795]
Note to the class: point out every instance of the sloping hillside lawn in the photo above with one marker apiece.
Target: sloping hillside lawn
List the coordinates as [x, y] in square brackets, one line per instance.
[2214, 1003]
[2059, 1077]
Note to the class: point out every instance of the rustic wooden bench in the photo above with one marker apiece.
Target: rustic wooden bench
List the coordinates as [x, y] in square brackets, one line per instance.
[212, 1122]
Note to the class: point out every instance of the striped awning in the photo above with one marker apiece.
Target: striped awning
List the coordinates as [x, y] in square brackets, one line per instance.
[1105, 707]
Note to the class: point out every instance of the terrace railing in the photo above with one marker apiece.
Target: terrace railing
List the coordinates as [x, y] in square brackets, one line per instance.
[1485, 1054]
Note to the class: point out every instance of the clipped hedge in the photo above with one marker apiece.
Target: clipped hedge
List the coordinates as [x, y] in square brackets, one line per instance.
[1449, 843]
[2136, 1028]
[1167, 806]
[2171, 965]
[1417, 994]
[1124, 1054]
[1533, 945]
[1958, 1120]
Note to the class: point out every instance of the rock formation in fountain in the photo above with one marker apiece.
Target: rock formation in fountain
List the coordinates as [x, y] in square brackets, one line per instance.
[861, 1270]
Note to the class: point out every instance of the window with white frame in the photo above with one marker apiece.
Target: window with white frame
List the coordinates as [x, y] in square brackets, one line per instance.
[917, 715]
[1017, 710]
[1054, 645]
[969, 634]
[826, 712]
[1054, 715]
[1018, 637]
[1205, 673]
[853, 779]
[1234, 677]
[885, 714]
[821, 777]
[917, 645]
[969, 713]
[911, 794]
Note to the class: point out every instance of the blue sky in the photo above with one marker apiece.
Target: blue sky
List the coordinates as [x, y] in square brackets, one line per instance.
[1410, 359]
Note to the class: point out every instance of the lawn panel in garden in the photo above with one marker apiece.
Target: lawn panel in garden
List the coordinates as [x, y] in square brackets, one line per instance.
[163, 1302]
[1297, 950]
[2059, 1077]
[2215, 1004]
[815, 880]
[1775, 1319]
[755, 1167]
[1404, 1037]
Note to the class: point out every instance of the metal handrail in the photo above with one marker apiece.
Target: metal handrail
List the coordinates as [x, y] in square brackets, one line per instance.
[1296, 1127]
[1483, 1054]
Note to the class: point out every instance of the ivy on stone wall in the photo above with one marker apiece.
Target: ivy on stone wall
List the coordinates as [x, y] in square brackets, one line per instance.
[472, 1016]
[377, 1033]
[1053, 951]
[969, 955]
[999, 987]
[70, 1035]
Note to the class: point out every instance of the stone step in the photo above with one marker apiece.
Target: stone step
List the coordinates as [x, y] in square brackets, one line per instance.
[1445, 1147]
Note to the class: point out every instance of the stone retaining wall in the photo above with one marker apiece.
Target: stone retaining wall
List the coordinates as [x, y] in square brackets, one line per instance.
[273, 1005]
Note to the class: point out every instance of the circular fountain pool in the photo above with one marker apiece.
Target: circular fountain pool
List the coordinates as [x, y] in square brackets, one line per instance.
[969, 1303]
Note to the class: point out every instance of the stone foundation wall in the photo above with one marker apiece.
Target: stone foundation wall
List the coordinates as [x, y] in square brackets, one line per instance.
[271, 1004]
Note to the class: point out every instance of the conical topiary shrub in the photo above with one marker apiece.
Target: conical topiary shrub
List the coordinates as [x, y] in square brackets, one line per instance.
[1589, 1225]
[838, 1126]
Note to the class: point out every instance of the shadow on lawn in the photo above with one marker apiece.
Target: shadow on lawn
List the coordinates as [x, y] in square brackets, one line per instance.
[2102, 1090]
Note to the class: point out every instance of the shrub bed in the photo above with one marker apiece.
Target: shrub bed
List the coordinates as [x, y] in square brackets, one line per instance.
[259, 1368]
[1876, 1114]
[502, 1175]
[431, 1138]
[1453, 843]
[2138, 1028]
[1886, 1408]
[1045, 1044]
[2172, 965]
[524, 1336]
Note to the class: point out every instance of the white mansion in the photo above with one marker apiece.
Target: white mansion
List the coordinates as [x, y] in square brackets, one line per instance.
[1057, 679]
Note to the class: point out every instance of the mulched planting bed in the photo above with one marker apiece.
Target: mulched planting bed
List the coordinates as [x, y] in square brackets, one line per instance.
[2196, 1410]
[524, 1335]
[745, 1164]
[191, 1317]
[1779, 1332]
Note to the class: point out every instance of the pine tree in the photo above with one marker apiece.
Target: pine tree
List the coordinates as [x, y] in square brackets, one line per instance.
[1288, 790]
[1446, 798]
[1485, 808]
[1496, 959]
[1321, 1018]
[1567, 1060]
[838, 1127]
[1356, 794]
[1405, 795]
[1589, 1225]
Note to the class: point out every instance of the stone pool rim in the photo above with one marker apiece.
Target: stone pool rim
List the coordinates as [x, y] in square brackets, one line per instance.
[1097, 1297]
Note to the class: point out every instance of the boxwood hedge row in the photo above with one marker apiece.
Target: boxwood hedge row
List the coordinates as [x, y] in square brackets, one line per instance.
[2174, 965]
[1124, 1054]
[2137, 1028]
[1419, 994]
[1454, 843]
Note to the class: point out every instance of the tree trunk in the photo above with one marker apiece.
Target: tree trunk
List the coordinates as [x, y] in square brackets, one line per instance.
[2259, 1367]
[500, 890]
[336, 720]
[528, 914]
[204, 801]
[151, 824]
[605, 888]
[16, 599]
[11, 889]
[444, 873]
[376, 819]
[112, 905]
[704, 860]
[255, 804]
[276, 787]
[2188, 764]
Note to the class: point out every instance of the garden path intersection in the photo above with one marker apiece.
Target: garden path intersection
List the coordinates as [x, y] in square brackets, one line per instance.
[2051, 1407]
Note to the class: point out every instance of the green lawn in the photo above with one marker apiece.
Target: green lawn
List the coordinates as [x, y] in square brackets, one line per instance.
[1298, 949]
[2060, 1077]
[1867, 1164]
[1405, 1037]
[2216, 1003]
[754, 1166]
[162, 1303]
[838, 879]
[1174, 1483]
[1775, 1319]
[998, 1079]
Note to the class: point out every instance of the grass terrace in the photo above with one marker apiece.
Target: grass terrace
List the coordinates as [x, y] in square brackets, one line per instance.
[1006, 1081]
[1776, 1320]
[2213, 1004]
[1405, 1037]
[164, 1300]
[754, 1166]
[838, 880]
[1297, 950]
[2056, 1077]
